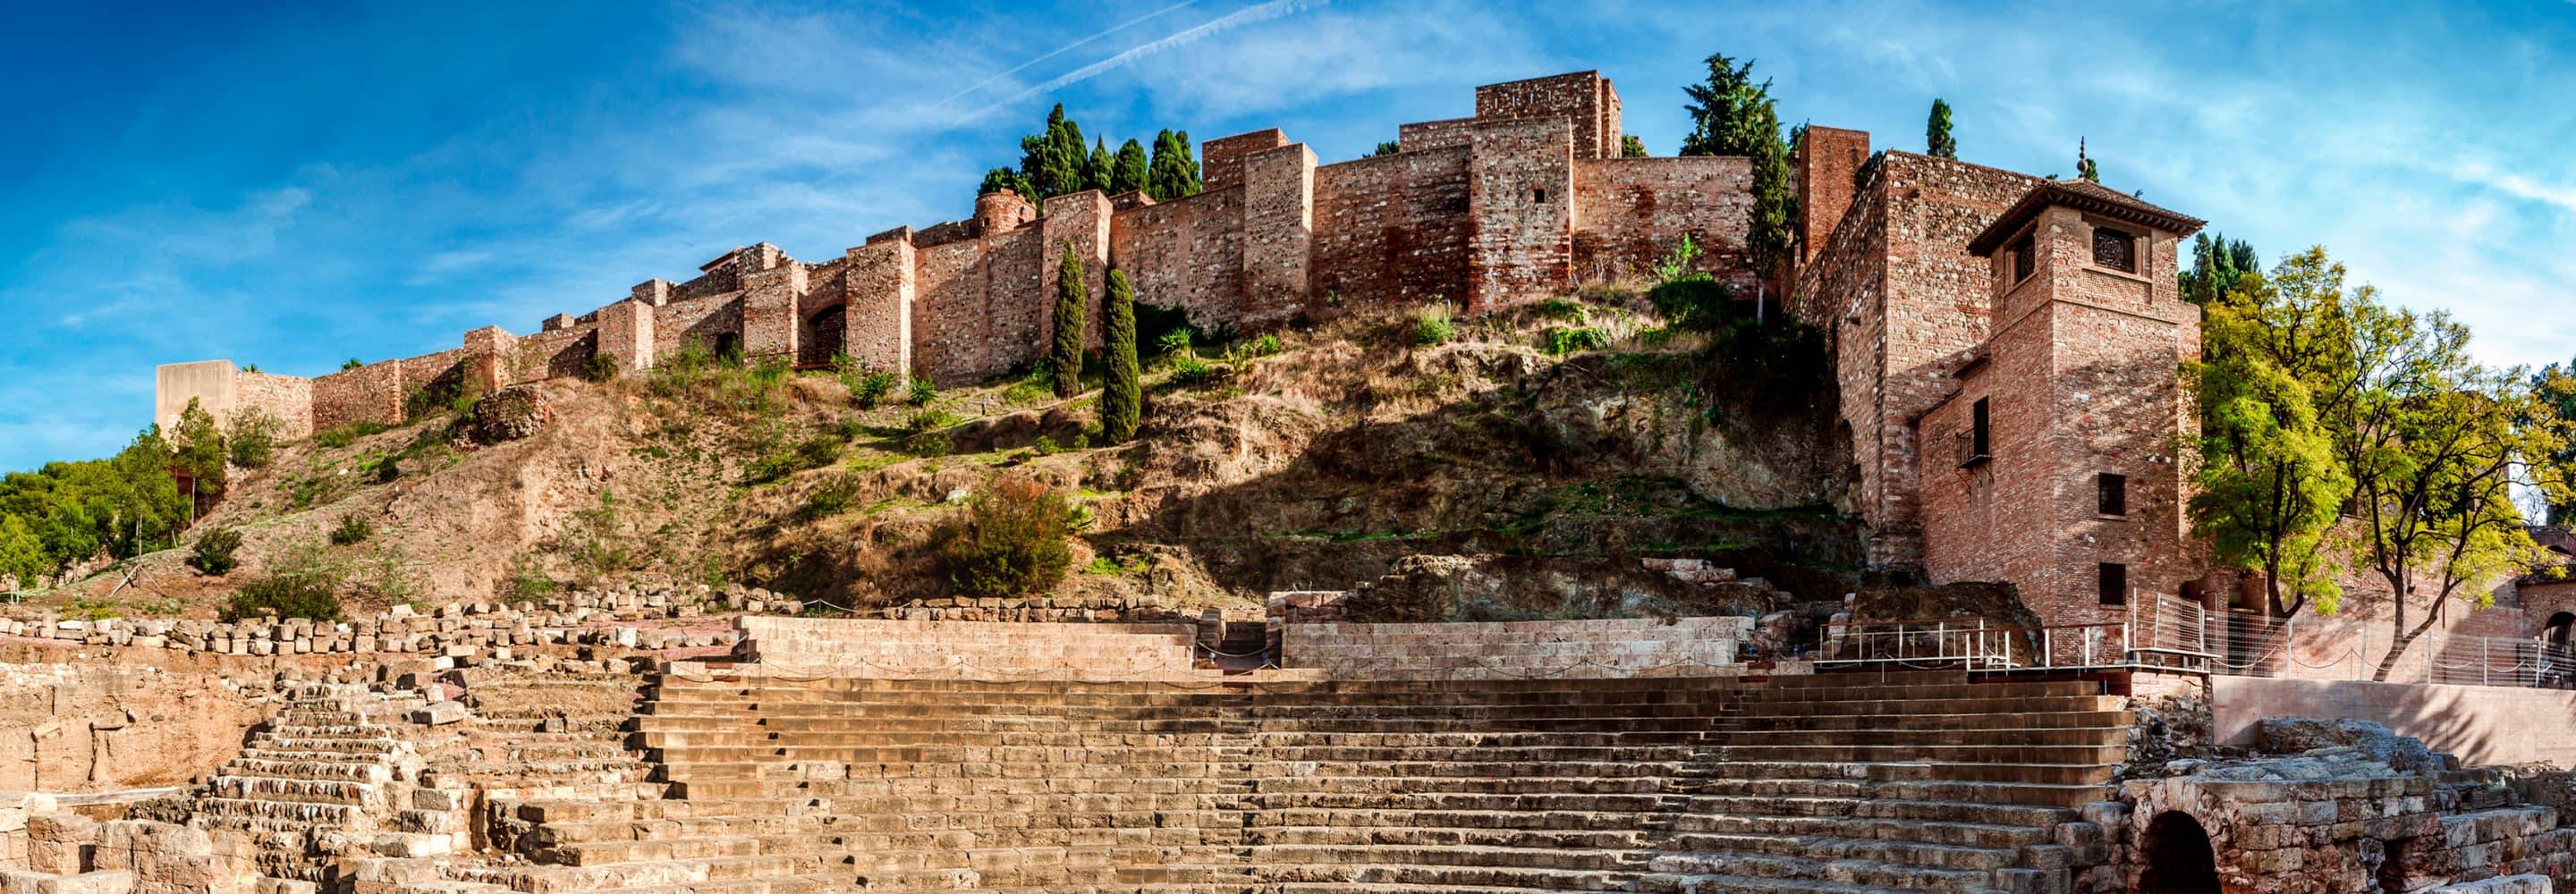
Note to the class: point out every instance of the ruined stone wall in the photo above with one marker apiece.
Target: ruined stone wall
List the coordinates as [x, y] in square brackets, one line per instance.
[562, 353]
[1843, 293]
[370, 393]
[288, 399]
[1427, 136]
[1630, 212]
[99, 726]
[1278, 232]
[1520, 192]
[701, 321]
[879, 289]
[1390, 229]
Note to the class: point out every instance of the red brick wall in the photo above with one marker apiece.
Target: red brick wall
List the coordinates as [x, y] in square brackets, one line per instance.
[1630, 212]
[1390, 229]
[1520, 196]
[1826, 162]
[1576, 98]
[1278, 229]
[1221, 159]
[1186, 253]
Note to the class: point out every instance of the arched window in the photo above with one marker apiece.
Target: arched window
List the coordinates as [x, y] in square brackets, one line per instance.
[2178, 857]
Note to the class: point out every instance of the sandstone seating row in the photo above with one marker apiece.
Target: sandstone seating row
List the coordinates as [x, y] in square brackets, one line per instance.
[1671, 647]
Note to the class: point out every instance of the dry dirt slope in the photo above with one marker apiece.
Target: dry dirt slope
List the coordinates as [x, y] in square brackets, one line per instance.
[1311, 467]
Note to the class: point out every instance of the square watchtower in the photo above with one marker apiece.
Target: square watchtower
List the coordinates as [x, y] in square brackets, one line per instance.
[2052, 466]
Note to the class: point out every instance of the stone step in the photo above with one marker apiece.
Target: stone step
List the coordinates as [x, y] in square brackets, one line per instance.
[293, 789]
[1717, 868]
[336, 770]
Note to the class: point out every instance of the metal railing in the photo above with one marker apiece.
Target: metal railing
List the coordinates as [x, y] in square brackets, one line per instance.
[2174, 634]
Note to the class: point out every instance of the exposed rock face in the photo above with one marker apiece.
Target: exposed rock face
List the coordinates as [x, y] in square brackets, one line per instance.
[2373, 741]
[1511, 588]
[509, 415]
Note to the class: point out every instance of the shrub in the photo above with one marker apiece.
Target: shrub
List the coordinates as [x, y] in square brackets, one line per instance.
[1173, 342]
[351, 530]
[1562, 341]
[1011, 540]
[873, 388]
[1432, 328]
[812, 453]
[251, 440]
[1561, 309]
[348, 433]
[1267, 345]
[923, 391]
[1188, 369]
[351, 363]
[305, 584]
[528, 580]
[1696, 303]
[214, 552]
[833, 497]
[928, 444]
[601, 368]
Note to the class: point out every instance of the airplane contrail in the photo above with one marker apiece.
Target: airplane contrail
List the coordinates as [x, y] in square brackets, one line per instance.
[1257, 13]
[1122, 26]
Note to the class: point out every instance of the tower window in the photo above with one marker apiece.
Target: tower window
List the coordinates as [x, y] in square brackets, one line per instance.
[1539, 195]
[2115, 249]
[2114, 583]
[2024, 259]
[2111, 493]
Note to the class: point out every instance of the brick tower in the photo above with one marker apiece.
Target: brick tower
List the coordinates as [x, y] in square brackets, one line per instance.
[2052, 465]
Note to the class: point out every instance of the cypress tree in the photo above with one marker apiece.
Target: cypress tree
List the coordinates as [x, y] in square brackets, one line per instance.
[1096, 170]
[1127, 172]
[1065, 361]
[1936, 132]
[1122, 390]
[1732, 115]
[1173, 173]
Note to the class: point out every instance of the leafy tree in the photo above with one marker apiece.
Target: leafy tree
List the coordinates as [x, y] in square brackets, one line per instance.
[214, 552]
[999, 179]
[1936, 132]
[1122, 393]
[200, 448]
[1631, 147]
[2555, 386]
[251, 440]
[1054, 162]
[1128, 171]
[1011, 540]
[1731, 115]
[2268, 483]
[22, 555]
[2217, 263]
[2436, 443]
[1174, 172]
[1065, 361]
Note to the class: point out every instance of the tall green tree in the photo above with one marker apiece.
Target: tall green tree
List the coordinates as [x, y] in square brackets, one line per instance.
[200, 447]
[1937, 140]
[117, 507]
[1631, 147]
[1731, 115]
[1055, 162]
[1174, 172]
[1065, 361]
[2267, 482]
[1099, 168]
[999, 179]
[1122, 387]
[2437, 444]
[2555, 388]
[1129, 169]
[2217, 264]
[22, 556]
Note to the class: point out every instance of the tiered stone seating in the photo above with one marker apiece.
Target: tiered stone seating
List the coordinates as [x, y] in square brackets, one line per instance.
[968, 649]
[325, 764]
[1873, 784]
[1641, 647]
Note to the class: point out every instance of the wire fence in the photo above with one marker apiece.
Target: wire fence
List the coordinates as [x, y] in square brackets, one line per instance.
[2179, 635]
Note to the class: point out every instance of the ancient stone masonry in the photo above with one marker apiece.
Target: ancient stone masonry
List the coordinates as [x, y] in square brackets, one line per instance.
[1524, 198]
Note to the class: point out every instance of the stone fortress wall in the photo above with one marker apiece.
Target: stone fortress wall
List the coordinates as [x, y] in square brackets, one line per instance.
[1525, 197]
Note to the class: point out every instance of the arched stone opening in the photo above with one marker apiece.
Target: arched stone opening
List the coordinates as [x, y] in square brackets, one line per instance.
[822, 337]
[2555, 632]
[2178, 857]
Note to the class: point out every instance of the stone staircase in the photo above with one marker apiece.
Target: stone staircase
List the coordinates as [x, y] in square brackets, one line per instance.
[319, 780]
[1843, 783]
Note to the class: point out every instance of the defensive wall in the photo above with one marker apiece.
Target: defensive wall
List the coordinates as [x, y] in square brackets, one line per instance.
[1526, 197]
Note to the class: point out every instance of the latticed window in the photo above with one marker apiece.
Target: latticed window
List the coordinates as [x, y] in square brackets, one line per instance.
[2111, 494]
[2115, 249]
[2023, 259]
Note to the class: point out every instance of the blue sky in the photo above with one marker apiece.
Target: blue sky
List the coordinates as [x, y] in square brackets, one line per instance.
[294, 187]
